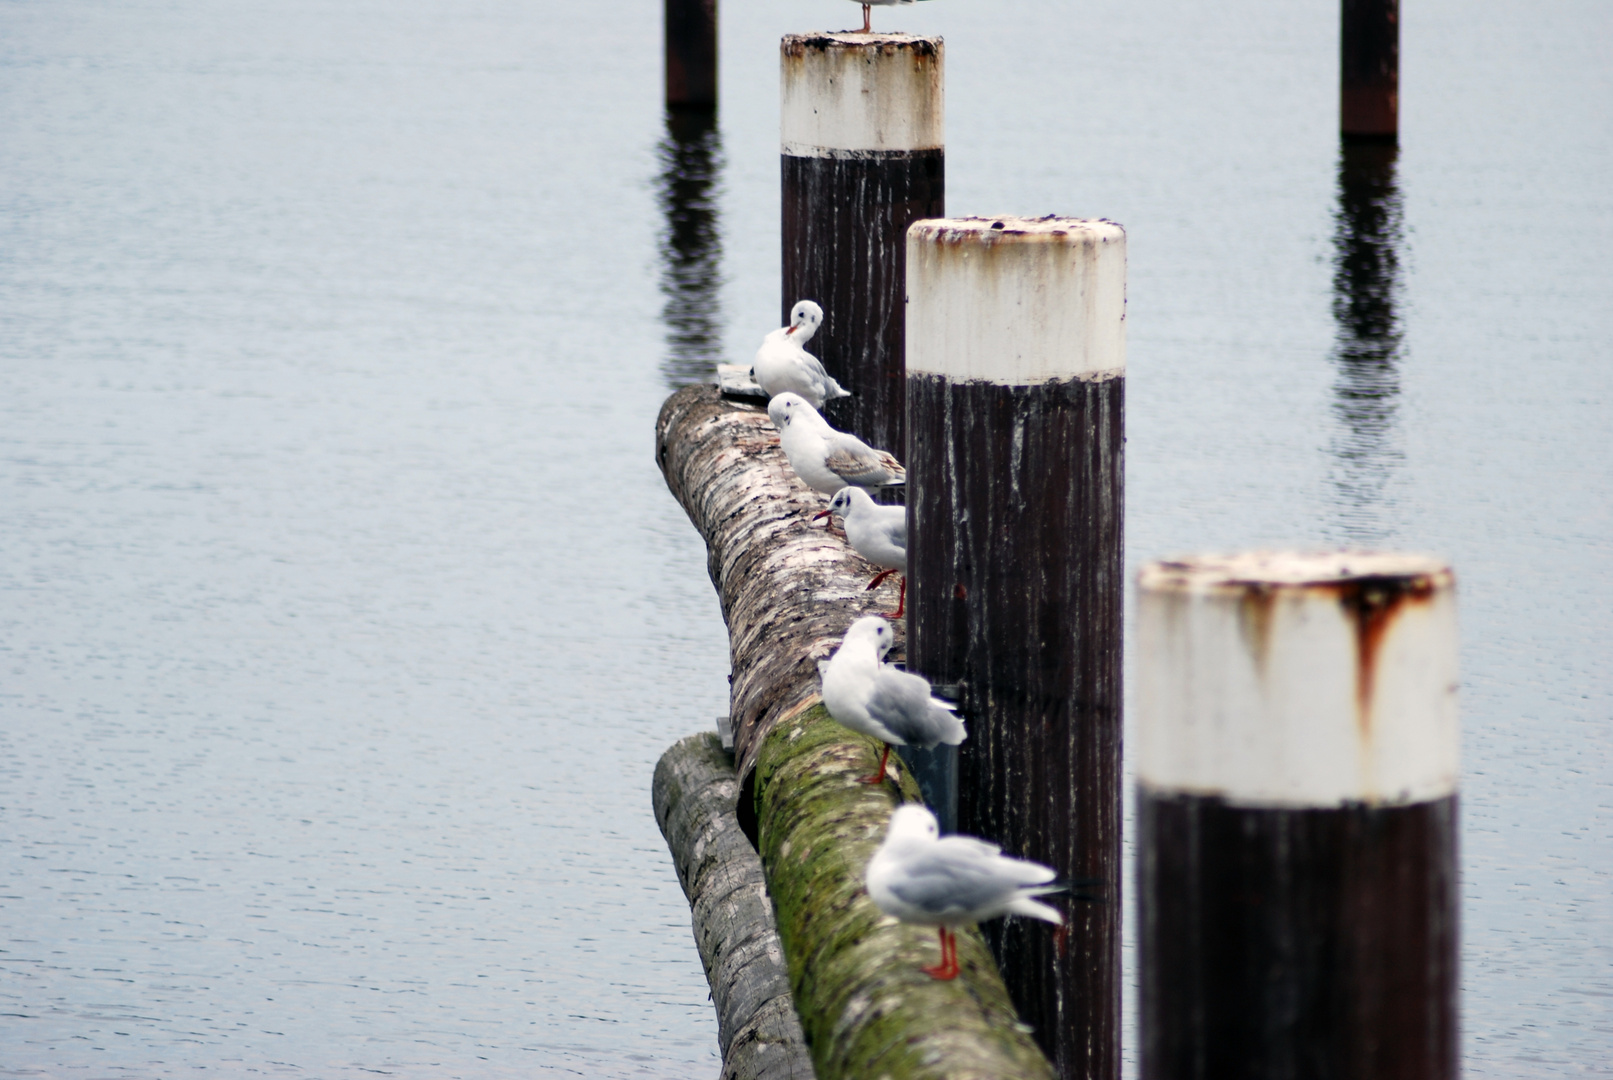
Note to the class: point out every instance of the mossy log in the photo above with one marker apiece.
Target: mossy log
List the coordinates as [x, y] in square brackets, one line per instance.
[757, 1029]
[788, 588]
[867, 1009]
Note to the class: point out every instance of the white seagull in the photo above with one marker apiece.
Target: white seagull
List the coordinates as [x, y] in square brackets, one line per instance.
[866, 694]
[867, 28]
[783, 364]
[826, 459]
[921, 877]
[877, 533]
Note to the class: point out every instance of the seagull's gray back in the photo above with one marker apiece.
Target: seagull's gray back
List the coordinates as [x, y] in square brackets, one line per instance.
[901, 702]
[962, 875]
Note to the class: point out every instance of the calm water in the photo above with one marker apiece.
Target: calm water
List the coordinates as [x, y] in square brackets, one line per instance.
[343, 613]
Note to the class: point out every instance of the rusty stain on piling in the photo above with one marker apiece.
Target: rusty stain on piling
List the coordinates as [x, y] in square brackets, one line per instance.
[1374, 603]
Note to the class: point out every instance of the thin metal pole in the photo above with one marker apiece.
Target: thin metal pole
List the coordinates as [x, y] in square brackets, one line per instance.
[1016, 405]
[1297, 765]
[862, 158]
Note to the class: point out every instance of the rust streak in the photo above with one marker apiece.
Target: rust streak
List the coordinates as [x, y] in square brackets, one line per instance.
[1374, 603]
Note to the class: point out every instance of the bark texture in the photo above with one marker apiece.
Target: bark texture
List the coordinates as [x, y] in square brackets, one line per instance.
[788, 588]
[694, 793]
[866, 1007]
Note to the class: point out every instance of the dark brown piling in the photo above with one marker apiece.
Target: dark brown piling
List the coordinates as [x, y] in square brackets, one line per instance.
[862, 158]
[1297, 818]
[691, 54]
[1369, 70]
[1016, 406]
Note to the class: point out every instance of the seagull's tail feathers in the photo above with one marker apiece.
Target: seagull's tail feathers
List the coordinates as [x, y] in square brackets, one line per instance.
[833, 389]
[1035, 909]
[950, 723]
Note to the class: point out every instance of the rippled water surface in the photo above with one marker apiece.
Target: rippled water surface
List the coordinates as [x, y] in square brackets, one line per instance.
[343, 613]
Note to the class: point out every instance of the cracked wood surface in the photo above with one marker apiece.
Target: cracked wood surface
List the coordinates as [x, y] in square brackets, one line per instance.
[693, 793]
[788, 588]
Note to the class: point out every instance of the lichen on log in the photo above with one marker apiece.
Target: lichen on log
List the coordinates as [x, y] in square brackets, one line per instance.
[757, 1030]
[788, 588]
[866, 1007]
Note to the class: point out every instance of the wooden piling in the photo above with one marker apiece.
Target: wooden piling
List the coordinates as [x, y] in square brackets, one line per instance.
[1297, 764]
[862, 158]
[1369, 70]
[691, 53]
[1016, 398]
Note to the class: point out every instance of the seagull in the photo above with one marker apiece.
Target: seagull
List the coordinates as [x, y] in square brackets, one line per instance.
[867, 28]
[866, 694]
[827, 459]
[877, 533]
[921, 877]
[782, 363]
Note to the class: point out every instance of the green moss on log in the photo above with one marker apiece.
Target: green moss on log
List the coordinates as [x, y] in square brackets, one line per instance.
[867, 1009]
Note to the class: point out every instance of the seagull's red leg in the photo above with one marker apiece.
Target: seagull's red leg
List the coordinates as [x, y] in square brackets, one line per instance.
[879, 776]
[947, 969]
[879, 577]
[943, 970]
[901, 602]
[867, 27]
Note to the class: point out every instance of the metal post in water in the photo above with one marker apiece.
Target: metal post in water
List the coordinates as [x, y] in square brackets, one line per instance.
[1297, 766]
[1369, 70]
[691, 53]
[1016, 357]
[861, 132]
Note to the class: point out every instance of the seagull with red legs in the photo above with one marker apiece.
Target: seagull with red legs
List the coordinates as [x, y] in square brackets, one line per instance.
[877, 533]
[868, 4]
[922, 877]
[868, 695]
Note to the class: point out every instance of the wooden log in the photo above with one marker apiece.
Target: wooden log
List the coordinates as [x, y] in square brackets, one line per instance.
[693, 793]
[866, 1007]
[861, 158]
[1297, 763]
[788, 588]
[1016, 412]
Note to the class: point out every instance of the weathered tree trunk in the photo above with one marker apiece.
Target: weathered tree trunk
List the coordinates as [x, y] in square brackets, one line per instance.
[788, 588]
[694, 793]
[867, 1008]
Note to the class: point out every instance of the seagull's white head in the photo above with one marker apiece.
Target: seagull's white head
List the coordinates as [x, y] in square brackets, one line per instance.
[786, 408]
[871, 628]
[912, 824]
[805, 318]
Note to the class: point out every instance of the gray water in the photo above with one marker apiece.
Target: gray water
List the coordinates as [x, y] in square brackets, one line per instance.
[343, 613]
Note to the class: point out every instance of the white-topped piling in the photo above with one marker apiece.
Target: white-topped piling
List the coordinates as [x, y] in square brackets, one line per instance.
[862, 157]
[1297, 763]
[1016, 410]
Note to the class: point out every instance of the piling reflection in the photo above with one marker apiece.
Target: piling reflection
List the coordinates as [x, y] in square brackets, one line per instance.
[1368, 237]
[691, 244]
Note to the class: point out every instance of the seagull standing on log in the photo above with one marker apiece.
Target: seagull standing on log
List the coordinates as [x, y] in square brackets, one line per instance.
[826, 459]
[868, 695]
[877, 533]
[783, 365]
[922, 877]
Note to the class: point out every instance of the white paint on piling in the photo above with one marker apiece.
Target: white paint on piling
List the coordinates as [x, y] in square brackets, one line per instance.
[1016, 301]
[1298, 680]
[843, 95]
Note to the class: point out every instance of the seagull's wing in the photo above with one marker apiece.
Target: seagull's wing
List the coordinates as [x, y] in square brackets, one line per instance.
[895, 526]
[902, 703]
[943, 881]
[855, 462]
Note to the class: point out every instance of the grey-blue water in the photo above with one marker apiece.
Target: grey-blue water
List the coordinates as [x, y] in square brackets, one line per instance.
[343, 613]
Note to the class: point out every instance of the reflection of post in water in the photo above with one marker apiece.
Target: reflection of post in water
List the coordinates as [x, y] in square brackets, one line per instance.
[1367, 282]
[691, 244]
